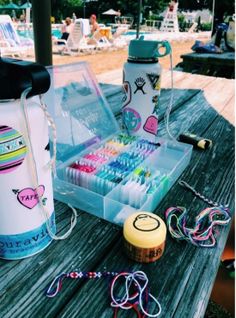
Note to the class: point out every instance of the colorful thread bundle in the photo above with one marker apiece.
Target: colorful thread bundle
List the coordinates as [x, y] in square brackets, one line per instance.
[135, 290]
[102, 169]
[203, 232]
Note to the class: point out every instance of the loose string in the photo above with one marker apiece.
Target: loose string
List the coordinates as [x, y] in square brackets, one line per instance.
[45, 212]
[203, 232]
[135, 284]
[199, 195]
[169, 107]
[52, 162]
[140, 280]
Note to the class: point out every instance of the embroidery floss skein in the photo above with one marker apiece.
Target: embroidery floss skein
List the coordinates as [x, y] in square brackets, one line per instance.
[203, 232]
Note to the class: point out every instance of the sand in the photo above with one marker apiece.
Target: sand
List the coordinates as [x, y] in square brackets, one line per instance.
[110, 60]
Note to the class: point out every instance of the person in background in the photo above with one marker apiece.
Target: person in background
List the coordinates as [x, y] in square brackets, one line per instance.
[74, 17]
[22, 18]
[118, 17]
[66, 29]
[94, 24]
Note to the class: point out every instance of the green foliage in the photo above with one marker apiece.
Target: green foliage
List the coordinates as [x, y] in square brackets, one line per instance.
[129, 7]
[205, 26]
[226, 5]
[156, 17]
[181, 18]
[64, 8]
[75, 3]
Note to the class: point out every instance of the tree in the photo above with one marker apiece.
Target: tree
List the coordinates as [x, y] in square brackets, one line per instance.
[127, 7]
[64, 8]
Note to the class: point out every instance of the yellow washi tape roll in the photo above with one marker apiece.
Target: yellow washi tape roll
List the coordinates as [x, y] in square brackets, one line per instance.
[144, 237]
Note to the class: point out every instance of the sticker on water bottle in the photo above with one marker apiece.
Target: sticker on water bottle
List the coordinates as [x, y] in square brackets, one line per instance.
[155, 100]
[127, 97]
[155, 80]
[12, 149]
[151, 125]
[29, 197]
[140, 83]
[25, 244]
[131, 119]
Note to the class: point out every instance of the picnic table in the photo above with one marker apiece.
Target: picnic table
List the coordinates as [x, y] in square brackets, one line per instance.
[183, 278]
[220, 65]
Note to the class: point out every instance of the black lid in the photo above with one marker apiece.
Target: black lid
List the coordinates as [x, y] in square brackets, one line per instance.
[17, 75]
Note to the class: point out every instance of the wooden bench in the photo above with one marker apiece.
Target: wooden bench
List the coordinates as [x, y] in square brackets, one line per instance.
[181, 280]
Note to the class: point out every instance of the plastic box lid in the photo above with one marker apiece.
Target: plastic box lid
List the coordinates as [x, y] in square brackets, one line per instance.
[79, 109]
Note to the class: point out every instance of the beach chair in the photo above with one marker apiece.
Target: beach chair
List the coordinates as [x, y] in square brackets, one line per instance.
[10, 43]
[76, 42]
[193, 28]
[117, 40]
[100, 39]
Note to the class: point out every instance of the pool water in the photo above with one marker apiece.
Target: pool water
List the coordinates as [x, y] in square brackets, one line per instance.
[134, 33]
[29, 33]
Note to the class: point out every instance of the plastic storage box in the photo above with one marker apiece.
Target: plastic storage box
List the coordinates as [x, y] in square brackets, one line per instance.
[100, 169]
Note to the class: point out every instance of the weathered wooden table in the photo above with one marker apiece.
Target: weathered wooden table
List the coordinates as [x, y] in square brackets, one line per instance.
[221, 65]
[182, 279]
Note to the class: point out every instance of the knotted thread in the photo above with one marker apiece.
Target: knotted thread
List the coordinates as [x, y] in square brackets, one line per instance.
[34, 172]
[203, 231]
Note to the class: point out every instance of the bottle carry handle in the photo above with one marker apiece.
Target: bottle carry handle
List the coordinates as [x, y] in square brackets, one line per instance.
[167, 47]
[17, 75]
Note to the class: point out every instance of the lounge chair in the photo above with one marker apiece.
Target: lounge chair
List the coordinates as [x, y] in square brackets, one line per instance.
[117, 40]
[76, 42]
[100, 40]
[10, 43]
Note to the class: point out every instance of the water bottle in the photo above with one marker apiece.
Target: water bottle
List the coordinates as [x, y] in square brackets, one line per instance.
[142, 86]
[25, 177]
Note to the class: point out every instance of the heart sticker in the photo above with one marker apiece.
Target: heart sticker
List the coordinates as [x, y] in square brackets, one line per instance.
[29, 197]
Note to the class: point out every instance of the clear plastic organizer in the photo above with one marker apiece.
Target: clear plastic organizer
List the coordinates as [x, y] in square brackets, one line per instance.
[100, 169]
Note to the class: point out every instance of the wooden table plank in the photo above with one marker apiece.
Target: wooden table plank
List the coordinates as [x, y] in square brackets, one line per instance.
[218, 101]
[22, 290]
[89, 247]
[228, 111]
[33, 285]
[174, 285]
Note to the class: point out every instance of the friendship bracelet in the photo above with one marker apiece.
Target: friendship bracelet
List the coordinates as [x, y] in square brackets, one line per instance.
[203, 232]
[56, 285]
[136, 294]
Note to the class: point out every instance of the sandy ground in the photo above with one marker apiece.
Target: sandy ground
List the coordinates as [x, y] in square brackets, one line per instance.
[110, 60]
